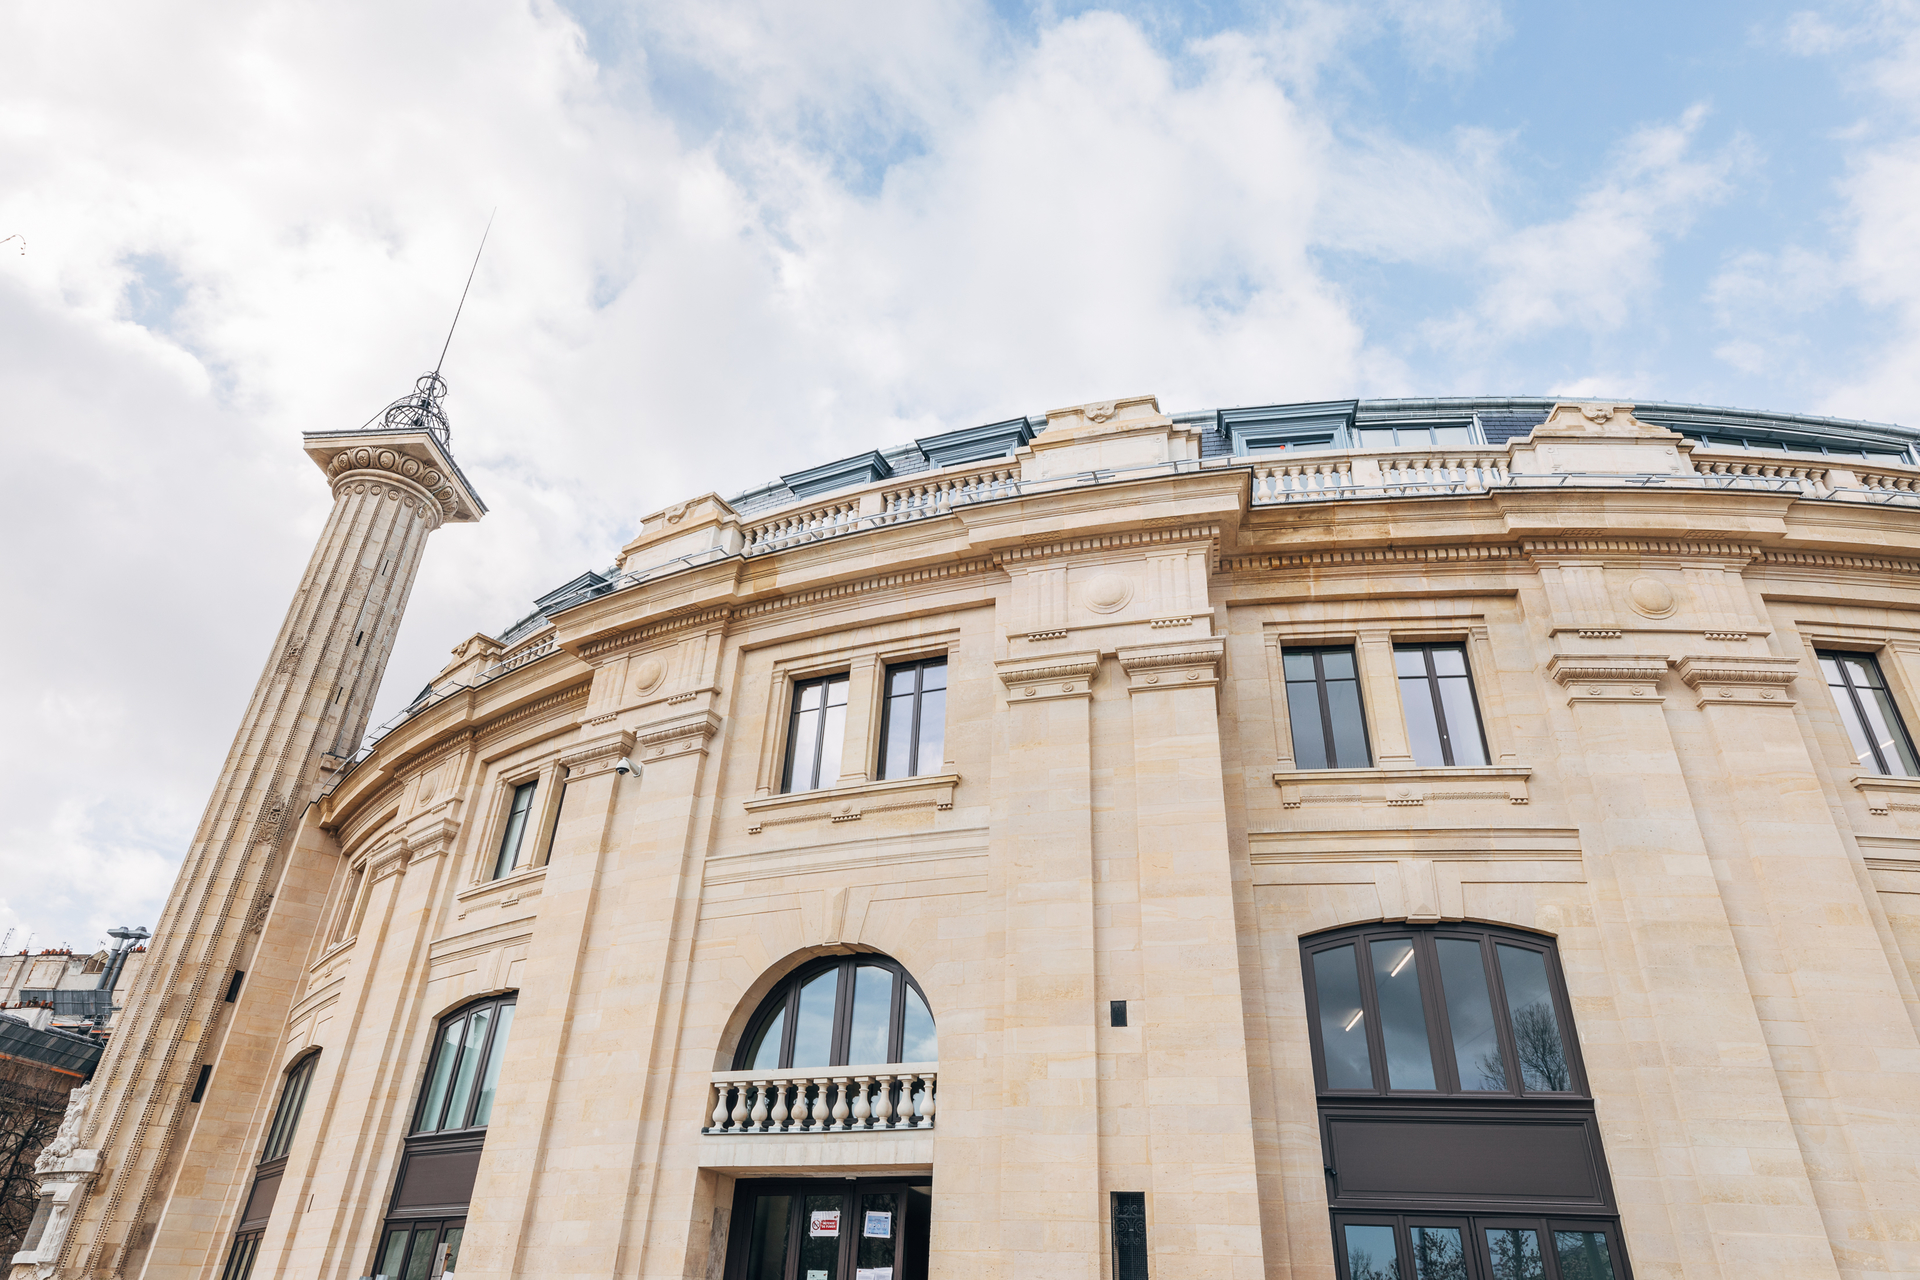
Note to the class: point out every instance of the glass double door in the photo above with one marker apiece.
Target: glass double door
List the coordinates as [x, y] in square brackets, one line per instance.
[420, 1250]
[830, 1229]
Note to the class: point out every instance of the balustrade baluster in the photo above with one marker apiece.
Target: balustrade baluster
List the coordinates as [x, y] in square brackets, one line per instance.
[740, 1107]
[779, 1113]
[840, 1109]
[862, 1112]
[883, 1105]
[719, 1116]
[926, 1110]
[759, 1112]
[821, 1112]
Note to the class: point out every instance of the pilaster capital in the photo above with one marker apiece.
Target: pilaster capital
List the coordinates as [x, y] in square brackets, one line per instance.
[597, 755]
[1182, 664]
[1057, 675]
[1739, 679]
[677, 735]
[1609, 677]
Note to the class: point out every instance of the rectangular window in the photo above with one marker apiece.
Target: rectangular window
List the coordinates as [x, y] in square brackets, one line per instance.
[515, 835]
[1323, 703]
[1428, 435]
[1129, 1235]
[913, 723]
[343, 919]
[1443, 722]
[816, 730]
[1880, 741]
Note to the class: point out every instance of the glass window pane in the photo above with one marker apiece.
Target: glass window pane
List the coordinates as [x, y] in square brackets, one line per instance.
[877, 1226]
[1376, 437]
[1410, 662]
[1349, 729]
[1403, 1021]
[1476, 1041]
[900, 682]
[1583, 1255]
[869, 1039]
[765, 1055]
[1449, 437]
[813, 1038]
[1303, 714]
[1338, 664]
[1448, 660]
[933, 731]
[1831, 669]
[917, 1040]
[1439, 1253]
[293, 1096]
[809, 697]
[239, 1261]
[767, 1248]
[420, 1256]
[934, 675]
[801, 774]
[833, 736]
[837, 692]
[1423, 729]
[1515, 1252]
[1536, 1031]
[394, 1255]
[1297, 666]
[1883, 722]
[470, 1053]
[1343, 1023]
[820, 1233]
[1372, 1253]
[516, 831]
[452, 1242]
[1463, 722]
[896, 753]
[443, 1064]
[1857, 733]
[489, 1083]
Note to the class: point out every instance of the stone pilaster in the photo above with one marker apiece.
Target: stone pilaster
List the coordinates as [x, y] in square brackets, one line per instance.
[391, 489]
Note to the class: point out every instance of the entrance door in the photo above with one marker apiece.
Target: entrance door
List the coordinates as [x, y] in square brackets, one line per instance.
[830, 1229]
[420, 1250]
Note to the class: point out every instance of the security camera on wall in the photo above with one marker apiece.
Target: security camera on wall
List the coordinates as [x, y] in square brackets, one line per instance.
[627, 766]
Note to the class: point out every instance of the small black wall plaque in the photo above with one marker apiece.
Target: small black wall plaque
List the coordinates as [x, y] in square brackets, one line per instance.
[1119, 1015]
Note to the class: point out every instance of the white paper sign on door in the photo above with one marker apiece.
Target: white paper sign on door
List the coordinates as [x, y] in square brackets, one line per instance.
[824, 1222]
[879, 1225]
[873, 1273]
[816, 1275]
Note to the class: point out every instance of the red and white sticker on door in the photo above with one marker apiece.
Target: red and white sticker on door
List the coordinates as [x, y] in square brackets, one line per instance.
[824, 1222]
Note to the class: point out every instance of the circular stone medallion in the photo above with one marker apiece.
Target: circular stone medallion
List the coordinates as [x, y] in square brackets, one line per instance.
[1650, 597]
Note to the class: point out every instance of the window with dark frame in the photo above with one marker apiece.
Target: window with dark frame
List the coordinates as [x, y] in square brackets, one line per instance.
[840, 1011]
[913, 719]
[269, 1169]
[1443, 435]
[514, 837]
[1446, 1054]
[816, 732]
[1323, 708]
[464, 1071]
[1436, 694]
[1874, 727]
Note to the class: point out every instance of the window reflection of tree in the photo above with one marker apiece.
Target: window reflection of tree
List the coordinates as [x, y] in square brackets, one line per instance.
[1361, 1265]
[1516, 1255]
[1438, 1254]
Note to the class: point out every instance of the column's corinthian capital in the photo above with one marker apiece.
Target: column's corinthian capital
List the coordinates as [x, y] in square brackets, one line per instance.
[410, 466]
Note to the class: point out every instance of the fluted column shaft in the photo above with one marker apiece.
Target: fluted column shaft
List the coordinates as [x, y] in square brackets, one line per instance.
[391, 489]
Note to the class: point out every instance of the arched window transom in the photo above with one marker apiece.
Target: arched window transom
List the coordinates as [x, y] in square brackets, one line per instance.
[465, 1070]
[840, 1011]
[1439, 1009]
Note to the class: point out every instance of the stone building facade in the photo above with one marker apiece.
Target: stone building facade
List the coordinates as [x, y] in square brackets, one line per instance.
[1438, 840]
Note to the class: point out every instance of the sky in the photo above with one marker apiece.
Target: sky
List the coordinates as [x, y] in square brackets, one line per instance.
[735, 239]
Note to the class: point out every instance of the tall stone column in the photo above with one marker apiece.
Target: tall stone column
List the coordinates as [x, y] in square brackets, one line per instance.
[392, 486]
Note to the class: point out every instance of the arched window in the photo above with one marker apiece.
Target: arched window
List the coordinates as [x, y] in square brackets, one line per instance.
[1440, 1009]
[428, 1213]
[272, 1166]
[465, 1069]
[862, 1010]
[1456, 1124]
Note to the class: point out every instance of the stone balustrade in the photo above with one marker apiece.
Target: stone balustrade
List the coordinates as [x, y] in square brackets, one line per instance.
[811, 524]
[936, 493]
[818, 1100]
[1764, 471]
[1310, 476]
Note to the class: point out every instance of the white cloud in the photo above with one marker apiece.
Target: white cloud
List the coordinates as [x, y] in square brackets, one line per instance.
[1589, 269]
[253, 219]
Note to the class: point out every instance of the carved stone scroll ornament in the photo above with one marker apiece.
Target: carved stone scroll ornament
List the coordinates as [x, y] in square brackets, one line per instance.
[67, 1140]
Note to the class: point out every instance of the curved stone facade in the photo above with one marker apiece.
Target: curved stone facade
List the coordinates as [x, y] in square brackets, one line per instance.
[1128, 804]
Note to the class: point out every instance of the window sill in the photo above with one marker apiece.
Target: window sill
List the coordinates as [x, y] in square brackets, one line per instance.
[849, 804]
[1885, 791]
[1398, 788]
[512, 883]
